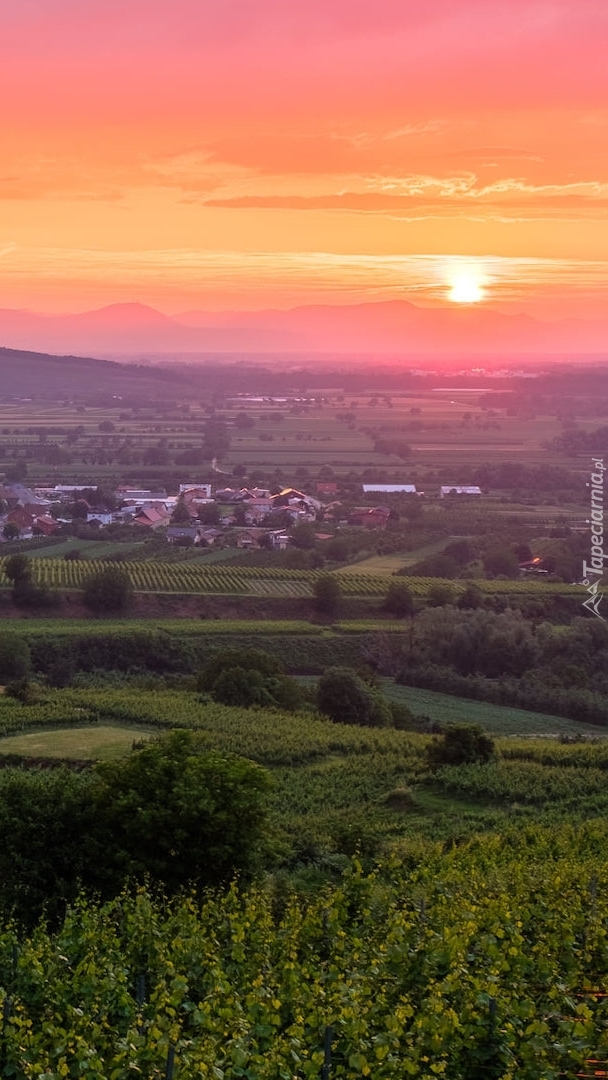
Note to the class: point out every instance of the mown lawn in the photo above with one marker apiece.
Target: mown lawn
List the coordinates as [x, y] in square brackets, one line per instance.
[94, 743]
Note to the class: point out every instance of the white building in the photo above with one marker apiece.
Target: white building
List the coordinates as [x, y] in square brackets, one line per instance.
[458, 489]
[389, 489]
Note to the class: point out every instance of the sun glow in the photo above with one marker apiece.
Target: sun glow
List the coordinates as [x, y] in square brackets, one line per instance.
[466, 285]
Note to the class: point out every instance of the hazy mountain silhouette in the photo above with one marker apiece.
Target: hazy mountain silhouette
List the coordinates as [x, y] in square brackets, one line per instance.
[394, 326]
[26, 374]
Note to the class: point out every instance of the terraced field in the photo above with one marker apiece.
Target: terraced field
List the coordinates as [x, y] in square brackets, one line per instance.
[188, 578]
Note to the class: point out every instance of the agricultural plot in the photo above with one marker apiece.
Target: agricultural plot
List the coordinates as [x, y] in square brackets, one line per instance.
[184, 628]
[281, 588]
[499, 720]
[447, 431]
[391, 564]
[226, 579]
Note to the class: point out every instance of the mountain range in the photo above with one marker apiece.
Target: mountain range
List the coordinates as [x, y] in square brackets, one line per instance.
[385, 327]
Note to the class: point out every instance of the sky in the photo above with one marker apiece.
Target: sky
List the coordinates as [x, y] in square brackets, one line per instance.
[244, 154]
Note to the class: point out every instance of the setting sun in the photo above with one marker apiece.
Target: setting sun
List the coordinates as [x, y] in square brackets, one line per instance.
[466, 286]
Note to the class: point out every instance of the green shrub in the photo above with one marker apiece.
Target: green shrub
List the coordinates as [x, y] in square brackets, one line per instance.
[461, 744]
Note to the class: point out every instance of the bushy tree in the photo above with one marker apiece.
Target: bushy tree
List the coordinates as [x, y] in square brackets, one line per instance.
[18, 569]
[108, 591]
[461, 744]
[439, 594]
[182, 814]
[246, 677]
[327, 594]
[172, 813]
[346, 699]
[15, 658]
[181, 513]
[399, 599]
[500, 562]
[45, 826]
[303, 535]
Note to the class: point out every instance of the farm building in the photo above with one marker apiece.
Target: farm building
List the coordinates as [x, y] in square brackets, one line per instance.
[458, 489]
[389, 489]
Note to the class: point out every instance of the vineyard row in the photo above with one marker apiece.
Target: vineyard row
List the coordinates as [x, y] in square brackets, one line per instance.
[159, 577]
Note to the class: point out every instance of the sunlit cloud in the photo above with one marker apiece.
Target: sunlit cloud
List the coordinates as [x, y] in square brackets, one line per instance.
[273, 153]
[297, 276]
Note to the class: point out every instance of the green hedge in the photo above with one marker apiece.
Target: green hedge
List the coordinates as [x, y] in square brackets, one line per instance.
[61, 654]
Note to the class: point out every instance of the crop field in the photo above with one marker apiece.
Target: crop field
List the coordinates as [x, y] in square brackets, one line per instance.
[447, 431]
[391, 564]
[189, 628]
[225, 579]
[88, 549]
[330, 777]
[499, 720]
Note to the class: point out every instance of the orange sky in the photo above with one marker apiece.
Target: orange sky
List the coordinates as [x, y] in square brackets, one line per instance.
[250, 153]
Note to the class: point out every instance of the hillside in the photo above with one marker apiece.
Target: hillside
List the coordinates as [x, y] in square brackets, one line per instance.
[25, 374]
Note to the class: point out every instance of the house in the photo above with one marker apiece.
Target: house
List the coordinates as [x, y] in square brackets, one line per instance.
[228, 495]
[389, 489]
[24, 496]
[210, 535]
[251, 538]
[459, 489]
[140, 495]
[177, 534]
[150, 517]
[29, 523]
[293, 513]
[195, 492]
[279, 540]
[326, 487]
[22, 518]
[365, 517]
[100, 516]
[291, 497]
[45, 524]
[257, 509]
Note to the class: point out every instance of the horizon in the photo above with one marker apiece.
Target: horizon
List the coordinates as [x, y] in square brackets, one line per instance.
[397, 329]
[195, 158]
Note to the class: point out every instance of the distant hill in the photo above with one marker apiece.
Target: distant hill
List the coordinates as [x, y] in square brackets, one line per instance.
[31, 374]
[394, 326]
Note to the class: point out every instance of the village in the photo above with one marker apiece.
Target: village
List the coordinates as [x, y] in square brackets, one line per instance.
[200, 514]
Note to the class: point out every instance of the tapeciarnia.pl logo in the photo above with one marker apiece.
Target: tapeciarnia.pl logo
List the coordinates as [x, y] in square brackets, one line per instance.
[593, 572]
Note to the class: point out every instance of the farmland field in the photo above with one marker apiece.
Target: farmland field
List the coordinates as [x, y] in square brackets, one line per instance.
[391, 564]
[186, 577]
[499, 720]
[447, 432]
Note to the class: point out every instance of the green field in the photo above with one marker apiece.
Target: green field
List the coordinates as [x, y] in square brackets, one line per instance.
[391, 564]
[188, 578]
[94, 743]
[447, 434]
[335, 781]
[499, 720]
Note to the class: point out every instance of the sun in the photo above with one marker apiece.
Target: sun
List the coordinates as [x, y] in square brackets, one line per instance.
[466, 285]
